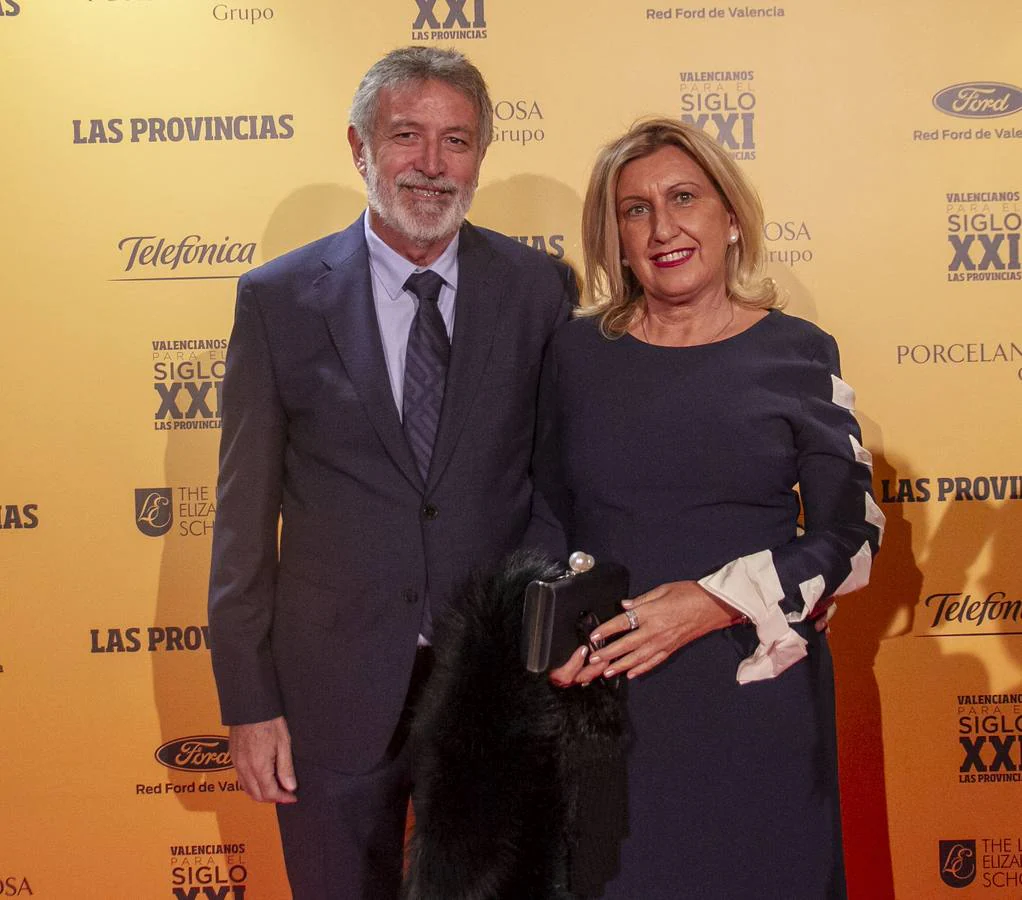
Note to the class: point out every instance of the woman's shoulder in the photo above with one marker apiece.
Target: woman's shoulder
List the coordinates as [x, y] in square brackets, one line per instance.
[800, 335]
[578, 332]
[579, 346]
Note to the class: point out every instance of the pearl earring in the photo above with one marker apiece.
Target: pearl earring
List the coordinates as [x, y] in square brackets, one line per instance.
[734, 238]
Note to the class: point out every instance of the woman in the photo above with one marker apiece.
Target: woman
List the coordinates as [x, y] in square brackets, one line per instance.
[680, 411]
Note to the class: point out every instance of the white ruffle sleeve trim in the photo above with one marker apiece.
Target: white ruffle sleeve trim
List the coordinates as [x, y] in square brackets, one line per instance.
[750, 584]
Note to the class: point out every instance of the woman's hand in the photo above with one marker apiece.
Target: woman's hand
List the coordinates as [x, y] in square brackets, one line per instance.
[667, 618]
[575, 670]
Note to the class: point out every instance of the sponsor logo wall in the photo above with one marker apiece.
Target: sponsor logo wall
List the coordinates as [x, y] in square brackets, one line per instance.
[138, 187]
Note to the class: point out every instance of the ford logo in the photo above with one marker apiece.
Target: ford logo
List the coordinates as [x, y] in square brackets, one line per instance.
[199, 753]
[979, 100]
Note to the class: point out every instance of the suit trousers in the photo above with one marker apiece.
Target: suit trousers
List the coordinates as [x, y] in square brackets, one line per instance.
[344, 838]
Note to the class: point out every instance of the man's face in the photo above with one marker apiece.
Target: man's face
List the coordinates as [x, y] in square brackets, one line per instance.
[422, 163]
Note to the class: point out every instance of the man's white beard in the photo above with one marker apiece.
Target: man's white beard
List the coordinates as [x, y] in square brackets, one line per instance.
[421, 220]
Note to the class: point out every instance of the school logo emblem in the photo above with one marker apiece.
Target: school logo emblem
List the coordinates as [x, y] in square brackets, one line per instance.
[958, 863]
[154, 511]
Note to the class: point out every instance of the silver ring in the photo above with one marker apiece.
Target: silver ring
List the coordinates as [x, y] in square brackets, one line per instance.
[633, 619]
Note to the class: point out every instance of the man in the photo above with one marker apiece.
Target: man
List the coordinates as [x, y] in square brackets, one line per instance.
[395, 461]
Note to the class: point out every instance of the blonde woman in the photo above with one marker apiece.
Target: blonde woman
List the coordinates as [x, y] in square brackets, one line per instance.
[680, 412]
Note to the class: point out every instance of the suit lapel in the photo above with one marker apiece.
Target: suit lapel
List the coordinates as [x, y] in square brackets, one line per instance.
[480, 294]
[344, 294]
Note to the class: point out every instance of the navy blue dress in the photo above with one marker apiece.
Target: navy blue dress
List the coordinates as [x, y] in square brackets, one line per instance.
[682, 463]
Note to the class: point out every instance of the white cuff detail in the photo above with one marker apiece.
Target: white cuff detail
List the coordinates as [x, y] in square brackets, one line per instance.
[862, 562]
[769, 662]
[811, 590]
[750, 584]
[875, 517]
[862, 455]
[844, 395]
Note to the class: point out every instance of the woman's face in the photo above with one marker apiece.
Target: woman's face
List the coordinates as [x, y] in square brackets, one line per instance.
[674, 228]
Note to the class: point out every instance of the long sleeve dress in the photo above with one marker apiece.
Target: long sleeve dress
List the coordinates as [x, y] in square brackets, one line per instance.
[737, 464]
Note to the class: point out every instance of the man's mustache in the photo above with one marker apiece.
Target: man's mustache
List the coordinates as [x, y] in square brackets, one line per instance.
[426, 184]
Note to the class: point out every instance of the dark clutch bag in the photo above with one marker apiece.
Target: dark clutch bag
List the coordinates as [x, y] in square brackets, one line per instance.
[560, 614]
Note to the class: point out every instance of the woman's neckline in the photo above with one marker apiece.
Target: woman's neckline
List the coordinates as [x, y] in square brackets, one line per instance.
[719, 343]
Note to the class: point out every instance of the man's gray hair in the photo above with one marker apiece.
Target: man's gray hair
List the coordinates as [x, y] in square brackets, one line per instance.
[417, 64]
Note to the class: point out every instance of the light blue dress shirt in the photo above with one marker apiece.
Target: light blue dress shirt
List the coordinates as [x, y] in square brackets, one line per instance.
[396, 307]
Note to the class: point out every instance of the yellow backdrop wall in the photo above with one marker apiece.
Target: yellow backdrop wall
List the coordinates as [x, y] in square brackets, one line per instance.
[155, 149]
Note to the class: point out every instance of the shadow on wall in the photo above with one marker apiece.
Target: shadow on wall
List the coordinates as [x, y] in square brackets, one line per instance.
[881, 610]
[183, 687]
[878, 792]
[966, 530]
[970, 557]
[1001, 577]
[798, 300]
[309, 213]
[538, 211]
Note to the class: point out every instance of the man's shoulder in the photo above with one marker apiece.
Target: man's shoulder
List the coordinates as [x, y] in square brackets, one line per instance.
[310, 260]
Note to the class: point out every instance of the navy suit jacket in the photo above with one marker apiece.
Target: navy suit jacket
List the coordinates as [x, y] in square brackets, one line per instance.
[320, 624]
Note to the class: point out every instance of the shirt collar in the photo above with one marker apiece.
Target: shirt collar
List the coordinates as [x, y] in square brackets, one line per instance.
[392, 269]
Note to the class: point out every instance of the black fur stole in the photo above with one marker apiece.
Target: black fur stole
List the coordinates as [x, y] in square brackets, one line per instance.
[519, 785]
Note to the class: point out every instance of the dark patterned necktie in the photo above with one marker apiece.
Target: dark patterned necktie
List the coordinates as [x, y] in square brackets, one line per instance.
[429, 351]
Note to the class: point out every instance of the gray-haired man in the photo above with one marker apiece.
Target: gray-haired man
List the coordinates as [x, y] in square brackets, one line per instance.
[387, 420]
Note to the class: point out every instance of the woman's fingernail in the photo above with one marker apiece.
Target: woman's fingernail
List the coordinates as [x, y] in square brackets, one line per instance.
[610, 673]
[585, 651]
[628, 604]
[594, 659]
[596, 636]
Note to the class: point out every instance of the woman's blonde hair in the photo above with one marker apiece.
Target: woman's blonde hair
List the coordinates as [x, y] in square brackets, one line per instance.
[612, 291]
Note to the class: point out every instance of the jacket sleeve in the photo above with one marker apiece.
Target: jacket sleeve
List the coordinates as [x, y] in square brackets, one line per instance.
[244, 561]
[843, 526]
[546, 530]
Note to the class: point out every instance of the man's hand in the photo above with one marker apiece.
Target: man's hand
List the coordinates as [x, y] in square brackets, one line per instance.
[261, 752]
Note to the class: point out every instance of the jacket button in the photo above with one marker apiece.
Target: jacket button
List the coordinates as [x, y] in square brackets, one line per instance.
[430, 512]
[409, 595]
